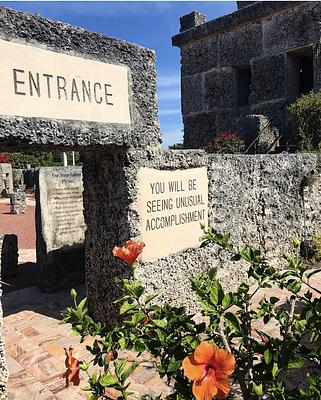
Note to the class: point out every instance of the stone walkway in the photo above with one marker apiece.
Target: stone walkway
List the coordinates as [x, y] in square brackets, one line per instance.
[34, 342]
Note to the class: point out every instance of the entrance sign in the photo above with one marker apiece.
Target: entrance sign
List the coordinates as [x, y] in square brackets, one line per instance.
[40, 83]
[172, 204]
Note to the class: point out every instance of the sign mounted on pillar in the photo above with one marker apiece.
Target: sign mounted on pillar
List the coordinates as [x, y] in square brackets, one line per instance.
[172, 205]
[35, 82]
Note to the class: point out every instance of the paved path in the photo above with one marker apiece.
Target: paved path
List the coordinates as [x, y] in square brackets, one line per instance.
[23, 225]
[34, 342]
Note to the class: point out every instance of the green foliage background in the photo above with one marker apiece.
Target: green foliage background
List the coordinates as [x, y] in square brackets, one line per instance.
[305, 119]
[40, 159]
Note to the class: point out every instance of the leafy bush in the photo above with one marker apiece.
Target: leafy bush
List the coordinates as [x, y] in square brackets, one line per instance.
[226, 143]
[176, 146]
[187, 350]
[305, 117]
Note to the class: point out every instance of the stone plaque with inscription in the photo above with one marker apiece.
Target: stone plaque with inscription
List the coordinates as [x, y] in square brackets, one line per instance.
[36, 82]
[172, 204]
[60, 224]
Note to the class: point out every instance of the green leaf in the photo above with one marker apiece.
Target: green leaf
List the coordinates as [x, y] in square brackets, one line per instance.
[149, 298]
[82, 304]
[232, 321]
[173, 365]
[84, 366]
[226, 301]
[126, 307]
[212, 273]
[107, 380]
[119, 367]
[161, 323]
[128, 371]
[267, 356]
[123, 343]
[217, 293]
[258, 389]
[296, 362]
[275, 370]
[161, 335]
[296, 243]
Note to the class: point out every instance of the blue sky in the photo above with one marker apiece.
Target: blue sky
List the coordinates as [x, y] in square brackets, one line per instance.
[148, 23]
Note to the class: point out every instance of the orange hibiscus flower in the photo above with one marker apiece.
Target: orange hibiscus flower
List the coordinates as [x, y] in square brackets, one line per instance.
[72, 372]
[129, 252]
[209, 367]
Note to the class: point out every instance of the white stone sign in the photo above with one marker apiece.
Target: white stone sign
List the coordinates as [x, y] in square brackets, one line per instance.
[61, 206]
[35, 82]
[172, 204]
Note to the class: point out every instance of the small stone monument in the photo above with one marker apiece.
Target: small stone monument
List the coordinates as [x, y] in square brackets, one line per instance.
[18, 203]
[60, 226]
[6, 181]
[9, 255]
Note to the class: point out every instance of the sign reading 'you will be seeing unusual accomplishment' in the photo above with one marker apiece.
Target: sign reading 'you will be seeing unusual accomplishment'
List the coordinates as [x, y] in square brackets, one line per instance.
[35, 82]
[172, 205]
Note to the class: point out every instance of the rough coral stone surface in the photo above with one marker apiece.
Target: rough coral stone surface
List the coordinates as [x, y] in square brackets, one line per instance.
[261, 37]
[56, 36]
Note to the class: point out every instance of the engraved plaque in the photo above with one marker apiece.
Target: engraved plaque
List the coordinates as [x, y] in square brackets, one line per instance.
[172, 204]
[35, 82]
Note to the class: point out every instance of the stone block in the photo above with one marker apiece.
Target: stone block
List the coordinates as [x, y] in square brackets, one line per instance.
[241, 44]
[6, 180]
[219, 88]
[192, 94]
[27, 132]
[275, 111]
[242, 4]
[297, 26]
[60, 227]
[200, 55]
[199, 129]
[258, 128]
[9, 255]
[18, 203]
[191, 20]
[268, 79]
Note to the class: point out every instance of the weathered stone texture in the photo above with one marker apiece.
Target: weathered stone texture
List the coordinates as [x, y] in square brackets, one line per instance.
[60, 227]
[268, 79]
[218, 89]
[199, 129]
[258, 200]
[18, 203]
[6, 179]
[258, 37]
[9, 255]
[297, 26]
[199, 57]
[51, 35]
[193, 88]
[190, 20]
[241, 44]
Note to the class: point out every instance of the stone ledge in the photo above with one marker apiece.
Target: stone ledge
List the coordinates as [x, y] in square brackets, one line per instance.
[244, 15]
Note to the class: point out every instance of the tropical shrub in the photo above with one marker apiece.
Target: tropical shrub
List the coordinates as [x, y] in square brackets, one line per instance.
[226, 143]
[305, 117]
[202, 360]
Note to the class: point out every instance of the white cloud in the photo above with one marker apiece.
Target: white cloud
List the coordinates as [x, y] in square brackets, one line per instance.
[169, 94]
[170, 80]
[169, 111]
